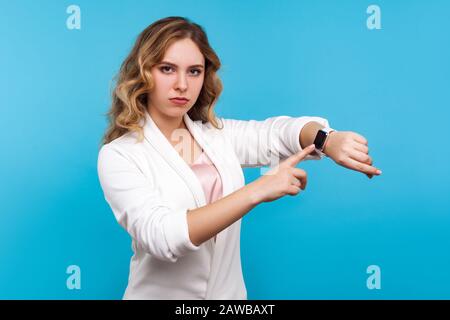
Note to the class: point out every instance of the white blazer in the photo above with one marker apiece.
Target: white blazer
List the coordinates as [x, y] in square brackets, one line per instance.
[149, 188]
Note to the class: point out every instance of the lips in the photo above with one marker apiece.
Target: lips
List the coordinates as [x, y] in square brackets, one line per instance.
[179, 100]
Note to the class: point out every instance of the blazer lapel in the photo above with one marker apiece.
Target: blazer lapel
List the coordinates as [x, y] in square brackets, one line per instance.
[217, 249]
[156, 138]
[161, 145]
[203, 139]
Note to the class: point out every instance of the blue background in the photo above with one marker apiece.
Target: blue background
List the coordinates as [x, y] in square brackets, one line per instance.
[293, 58]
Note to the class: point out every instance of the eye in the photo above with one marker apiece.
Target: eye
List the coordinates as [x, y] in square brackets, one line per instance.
[166, 69]
[196, 72]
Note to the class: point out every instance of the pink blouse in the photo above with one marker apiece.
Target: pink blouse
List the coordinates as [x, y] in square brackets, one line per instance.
[209, 178]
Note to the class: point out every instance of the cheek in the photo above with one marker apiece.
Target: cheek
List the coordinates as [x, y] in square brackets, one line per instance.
[162, 84]
[197, 85]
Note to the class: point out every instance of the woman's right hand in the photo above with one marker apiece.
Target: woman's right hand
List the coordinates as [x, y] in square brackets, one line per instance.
[281, 180]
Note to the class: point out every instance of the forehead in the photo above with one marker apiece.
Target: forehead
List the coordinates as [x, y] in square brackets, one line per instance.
[184, 53]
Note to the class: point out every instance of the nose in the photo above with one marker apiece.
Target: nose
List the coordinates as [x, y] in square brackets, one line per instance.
[181, 83]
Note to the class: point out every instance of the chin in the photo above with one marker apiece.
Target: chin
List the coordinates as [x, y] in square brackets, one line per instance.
[177, 111]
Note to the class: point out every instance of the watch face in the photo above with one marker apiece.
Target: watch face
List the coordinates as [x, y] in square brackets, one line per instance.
[320, 139]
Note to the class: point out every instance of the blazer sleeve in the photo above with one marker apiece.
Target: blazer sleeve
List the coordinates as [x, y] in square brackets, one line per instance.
[137, 207]
[261, 143]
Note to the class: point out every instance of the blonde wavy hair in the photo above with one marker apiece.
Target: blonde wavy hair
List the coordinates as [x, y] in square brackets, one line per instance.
[134, 81]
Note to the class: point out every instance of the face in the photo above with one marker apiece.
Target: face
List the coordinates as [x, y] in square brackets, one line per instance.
[179, 74]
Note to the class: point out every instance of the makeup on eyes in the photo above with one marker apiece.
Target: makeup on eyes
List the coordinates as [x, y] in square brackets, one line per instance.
[163, 69]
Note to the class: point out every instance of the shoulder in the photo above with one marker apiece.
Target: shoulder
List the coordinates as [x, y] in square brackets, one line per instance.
[212, 133]
[224, 124]
[125, 149]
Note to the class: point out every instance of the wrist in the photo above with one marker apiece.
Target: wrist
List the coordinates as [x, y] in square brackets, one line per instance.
[309, 132]
[251, 194]
[327, 142]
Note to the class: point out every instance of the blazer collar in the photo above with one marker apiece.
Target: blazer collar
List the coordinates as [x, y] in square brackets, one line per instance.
[161, 145]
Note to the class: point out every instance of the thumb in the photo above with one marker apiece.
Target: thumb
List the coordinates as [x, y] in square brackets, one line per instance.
[299, 156]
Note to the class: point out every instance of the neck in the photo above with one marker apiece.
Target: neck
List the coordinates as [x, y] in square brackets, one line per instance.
[167, 124]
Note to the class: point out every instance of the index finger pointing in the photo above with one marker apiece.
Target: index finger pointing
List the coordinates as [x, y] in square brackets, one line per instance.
[299, 156]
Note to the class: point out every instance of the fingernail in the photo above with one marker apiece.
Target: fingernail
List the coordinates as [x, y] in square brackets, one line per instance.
[379, 172]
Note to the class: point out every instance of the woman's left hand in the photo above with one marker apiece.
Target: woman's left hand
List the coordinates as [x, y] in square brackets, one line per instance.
[350, 150]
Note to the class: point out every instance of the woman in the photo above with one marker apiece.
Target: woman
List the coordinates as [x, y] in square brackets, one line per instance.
[172, 171]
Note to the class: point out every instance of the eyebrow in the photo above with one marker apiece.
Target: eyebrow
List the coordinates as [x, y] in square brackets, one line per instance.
[174, 65]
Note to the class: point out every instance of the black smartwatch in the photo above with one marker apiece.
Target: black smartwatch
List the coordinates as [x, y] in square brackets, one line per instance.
[320, 140]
